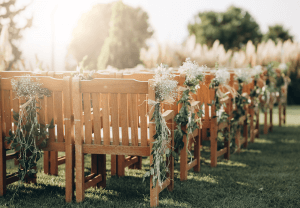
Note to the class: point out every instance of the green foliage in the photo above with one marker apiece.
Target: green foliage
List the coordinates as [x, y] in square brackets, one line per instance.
[232, 28]
[160, 149]
[128, 32]
[240, 103]
[15, 32]
[277, 32]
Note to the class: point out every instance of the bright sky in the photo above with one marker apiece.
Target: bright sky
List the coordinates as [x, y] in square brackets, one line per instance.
[169, 18]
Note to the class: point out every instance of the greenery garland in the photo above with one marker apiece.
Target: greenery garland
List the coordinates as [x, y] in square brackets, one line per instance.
[240, 102]
[186, 116]
[165, 88]
[30, 136]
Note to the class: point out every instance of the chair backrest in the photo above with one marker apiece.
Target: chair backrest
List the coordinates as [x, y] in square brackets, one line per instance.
[94, 94]
[59, 102]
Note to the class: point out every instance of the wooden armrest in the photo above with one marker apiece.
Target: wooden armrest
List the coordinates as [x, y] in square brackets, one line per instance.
[169, 114]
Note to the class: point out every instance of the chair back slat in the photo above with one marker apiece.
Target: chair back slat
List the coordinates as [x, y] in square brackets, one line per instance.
[124, 118]
[105, 113]
[58, 106]
[143, 119]
[97, 117]
[134, 119]
[115, 118]
[50, 116]
[16, 103]
[87, 118]
[7, 110]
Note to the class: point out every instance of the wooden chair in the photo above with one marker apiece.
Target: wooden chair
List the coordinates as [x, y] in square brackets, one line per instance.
[51, 159]
[60, 138]
[100, 143]
[210, 125]
[194, 138]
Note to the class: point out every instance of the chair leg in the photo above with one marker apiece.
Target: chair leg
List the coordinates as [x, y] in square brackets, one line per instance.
[271, 120]
[2, 169]
[284, 118]
[266, 123]
[113, 165]
[245, 133]
[79, 174]
[279, 112]
[183, 160]
[213, 150]
[102, 170]
[154, 194]
[69, 173]
[54, 163]
[46, 162]
[197, 153]
[120, 165]
[227, 144]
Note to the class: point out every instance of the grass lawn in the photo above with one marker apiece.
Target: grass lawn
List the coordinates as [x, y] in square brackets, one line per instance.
[267, 174]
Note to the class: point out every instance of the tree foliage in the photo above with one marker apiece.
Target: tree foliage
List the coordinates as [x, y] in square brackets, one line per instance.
[232, 28]
[9, 16]
[277, 32]
[123, 29]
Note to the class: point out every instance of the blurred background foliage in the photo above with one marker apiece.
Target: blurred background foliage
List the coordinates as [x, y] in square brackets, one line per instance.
[8, 15]
[116, 35]
[233, 28]
[111, 34]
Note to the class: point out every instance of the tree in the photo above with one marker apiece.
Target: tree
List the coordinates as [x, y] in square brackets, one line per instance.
[232, 28]
[123, 29]
[277, 32]
[8, 16]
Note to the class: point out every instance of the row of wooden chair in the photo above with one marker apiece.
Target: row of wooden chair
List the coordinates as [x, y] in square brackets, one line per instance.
[93, 128]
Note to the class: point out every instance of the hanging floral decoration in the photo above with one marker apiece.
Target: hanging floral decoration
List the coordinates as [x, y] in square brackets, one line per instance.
[186, 116]
[165, 92]
[30, 135]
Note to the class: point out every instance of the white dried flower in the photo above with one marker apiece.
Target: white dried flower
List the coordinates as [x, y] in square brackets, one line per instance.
[164, 84]
[283, 67]
[243, 75]
[222, 76]
[193, 72]
[257, 70]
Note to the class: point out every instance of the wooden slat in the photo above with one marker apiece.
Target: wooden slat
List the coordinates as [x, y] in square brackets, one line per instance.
[114, 86]
[87, 118]
[221, 152]
[105, 112]
[50, 116]
[16, 103]
[124, 118]
[7, 111]
[115, 118]
[143, 118]
[93, 182]
[116, 149]
[191, 164]
[134, 120]
[61, 160]
[164, 185]
[130, 161]
[58, 106]
[97, 119]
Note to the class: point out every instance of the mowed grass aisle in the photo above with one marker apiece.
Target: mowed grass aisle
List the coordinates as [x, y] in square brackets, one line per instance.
[267, 174]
